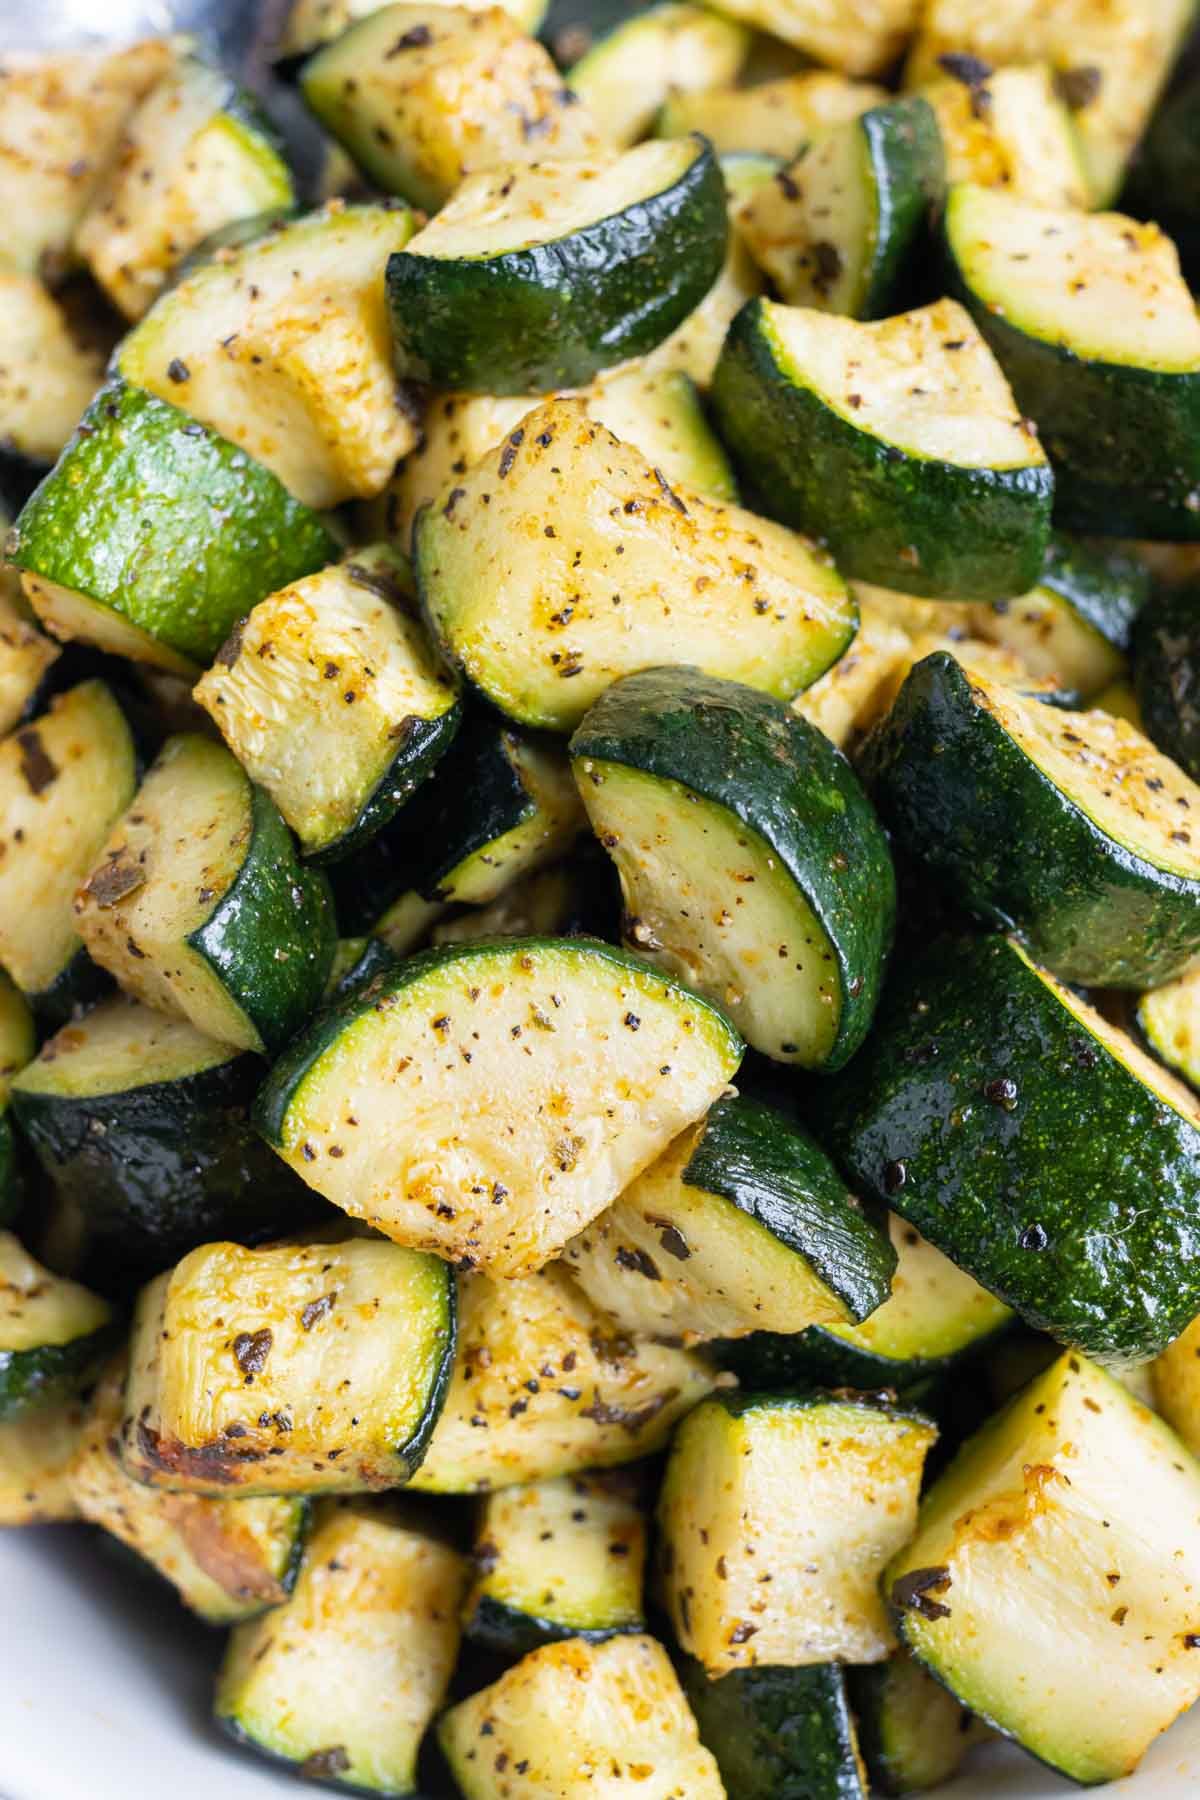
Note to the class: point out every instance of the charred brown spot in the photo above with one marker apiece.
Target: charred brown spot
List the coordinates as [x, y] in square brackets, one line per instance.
[602, 1412]
[323, 1764]
[113, 880]
[639, 1262]
[38, 767]
[1080, 87]
[377, 581]
[912, 1593]
[177, 370]
[415, 38]
[251, 1350]
[231, 649]
[316, 1310]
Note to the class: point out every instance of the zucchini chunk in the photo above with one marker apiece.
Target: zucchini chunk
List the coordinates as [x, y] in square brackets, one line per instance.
[570, 1710]
[859, 37]
[47, 376]
[779, 1733]
[1069, 825]
[898, 444]
[486, 1101]
[346, 1346]
[36, 1452]
[196, 155]
[334, 701]
[343, 1679]
[850, 1467]
[626, 75]
[838, 228]
[64, 778]
[852, 695]
[772, 118]
[751, 862]
[227, 1559]
[1011, 129]
[140, 1123]
[1168, 1018]
[51, 1330]
[152, 535]
[61, 119]
[543, 1388]
[557, 1559]
[311, 23]
[502, 806]
[542, 609]
[1166, 674]
[1075, 1490]
[283, 347]
[1094, 326]
[422, 96]
[742, 1224]
[544, 904]
[534, 278]
[914, 1734]
[1105, 1260]
[198, 905]
[18, 1044]
[26, 654]
[1175, 1386]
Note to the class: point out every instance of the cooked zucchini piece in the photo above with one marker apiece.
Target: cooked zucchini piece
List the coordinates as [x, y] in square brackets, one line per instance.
[346, 1346]
[779, 1733]
[897, 443]
[1069, 825]
[1175, 1385]
[1009, 128]
[333, 700]
[52, 1331]
[356, 962]
[198, 905]
[37, 1449]
[850, 1468]
[1111, 58]
[624, 78]
[1078, 1491]
[1096, 330]
[486, 1101]
[544, 904]
[64, 778]
[344, 1678]
[914, 1733]
[557, 1559]
[26, 654]
[543, 1388]
[544, 600]
[773, 118]
[695, 346]
[311, 23]
[283, 347]
[227, 1559]
[534, 278]
[859, 37]
[1075, 1156]
[140, 1123]
[422, 96]
[839, 227]
[195, 156]
[851, 696]
[501, 807]
[1166, 674]
[61, 118]
[617, 1710]
[1169, 1019]
[742, 1224]
[47, 376]
[751, 862]
[152, 535]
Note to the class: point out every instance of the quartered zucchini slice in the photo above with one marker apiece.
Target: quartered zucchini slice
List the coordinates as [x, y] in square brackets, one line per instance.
[283, 347]
[615, 1706]
[64, 778]
[1104, 1259]
[741, 1225]
[1169, 1019]
[557, 1559]
[914, 1733]
[1074, 1489]
[52, 1331]
[314, 22]
[771, 118]
[37, 1449]
[197, 155]
[422, 96]
[1097, 332]
[542, 1387]
[565, 559]
[850, 1468]
[486, 1101]
[534, 278]
[343, 1679]
[837, 228]
[898, 443]
[47, 376]
[1166, 674]
[299, 1368]
[227, 1559]
[333, 700]
[1069, 825]
[626, 75]
[861, 37]
[779, 1733]
[1009, 128]
[751, 862]
[152, 535]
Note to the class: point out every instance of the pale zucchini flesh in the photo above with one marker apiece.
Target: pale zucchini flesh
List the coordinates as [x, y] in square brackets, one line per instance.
[1012, 131]
[860, 37]
[47, 376]
[814, 227]
[773, 118]
[1168, 1018]
[624, 79]
[1175, 1386]
[314, 22]
[25, 656]
[934, 1310]
[37, 1450]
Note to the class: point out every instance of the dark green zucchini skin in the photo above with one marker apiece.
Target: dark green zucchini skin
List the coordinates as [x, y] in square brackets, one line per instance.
[510, 1632]
[1164, 178]
[783, 778]
[817, 1358]
[769, 1167]
[79, 983]
[959, 795]
[28, 1377]
[274, 900]
[423, 745]
[553, 315]
[571, 27]
[904, 146]
[1072, 1198]
[778, 1733]
[375, 958]
[1106, 587]
[977, 534]
[1166, 674]
[332, 1783]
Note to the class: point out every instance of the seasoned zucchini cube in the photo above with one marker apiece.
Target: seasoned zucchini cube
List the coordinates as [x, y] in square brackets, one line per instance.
[52, 1331]
[1009, 128]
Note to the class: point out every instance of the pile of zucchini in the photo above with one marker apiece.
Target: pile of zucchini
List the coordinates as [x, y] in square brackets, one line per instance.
[600, 882]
